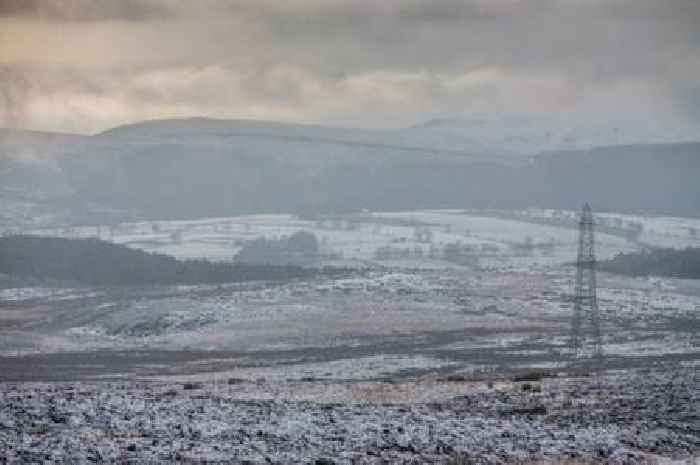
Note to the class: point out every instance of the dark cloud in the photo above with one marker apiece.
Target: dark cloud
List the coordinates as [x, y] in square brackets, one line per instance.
[85, 10]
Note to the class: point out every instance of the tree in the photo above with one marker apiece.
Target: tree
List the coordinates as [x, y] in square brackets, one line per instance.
[303, 242]
[98, 262]
[452, 252]
[301, 248]
[176, 236]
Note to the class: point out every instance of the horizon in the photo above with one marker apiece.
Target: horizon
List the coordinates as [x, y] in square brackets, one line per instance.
[684, 135]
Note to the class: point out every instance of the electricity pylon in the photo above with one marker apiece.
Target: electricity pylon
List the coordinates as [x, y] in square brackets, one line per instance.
[586, 318]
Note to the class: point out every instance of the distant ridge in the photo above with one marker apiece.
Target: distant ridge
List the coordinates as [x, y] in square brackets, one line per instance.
[198, 167]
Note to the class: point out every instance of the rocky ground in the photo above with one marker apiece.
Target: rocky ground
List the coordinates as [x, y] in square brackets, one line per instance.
[619, 417]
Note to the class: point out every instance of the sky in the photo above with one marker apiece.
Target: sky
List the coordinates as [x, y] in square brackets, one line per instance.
[84, 66]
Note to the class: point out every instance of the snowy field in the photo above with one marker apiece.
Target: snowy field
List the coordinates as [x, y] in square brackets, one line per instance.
[357, 237]
[276, 372]
[463, 319]
[506, 307]
[496, 237]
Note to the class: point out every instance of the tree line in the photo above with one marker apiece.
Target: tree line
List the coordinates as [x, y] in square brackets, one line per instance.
[676, 263]
[301, 248]
[97, 262]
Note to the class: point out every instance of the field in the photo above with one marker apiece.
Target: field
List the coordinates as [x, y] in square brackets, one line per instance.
[412, 356]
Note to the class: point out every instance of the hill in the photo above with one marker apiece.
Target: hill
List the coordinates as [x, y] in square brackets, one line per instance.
[189, 168]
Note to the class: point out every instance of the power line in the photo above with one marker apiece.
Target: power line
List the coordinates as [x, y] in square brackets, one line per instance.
[586, 317]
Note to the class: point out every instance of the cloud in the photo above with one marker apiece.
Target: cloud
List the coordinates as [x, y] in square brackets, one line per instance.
[85, 65]
[85, 10]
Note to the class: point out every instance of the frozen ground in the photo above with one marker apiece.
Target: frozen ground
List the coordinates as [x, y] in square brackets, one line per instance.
[357, 237]
[414, 341]
[464, 320]
[618, 418]
[659, 231]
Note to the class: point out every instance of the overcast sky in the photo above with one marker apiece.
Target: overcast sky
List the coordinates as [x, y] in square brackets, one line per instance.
[83, 66]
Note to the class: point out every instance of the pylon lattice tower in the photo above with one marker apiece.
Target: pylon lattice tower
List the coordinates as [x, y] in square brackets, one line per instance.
[586, 318]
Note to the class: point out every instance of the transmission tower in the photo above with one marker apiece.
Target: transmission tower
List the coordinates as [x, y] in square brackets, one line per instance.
[586, 318]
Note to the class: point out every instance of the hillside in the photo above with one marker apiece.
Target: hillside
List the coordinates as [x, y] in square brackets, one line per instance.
[198, 167]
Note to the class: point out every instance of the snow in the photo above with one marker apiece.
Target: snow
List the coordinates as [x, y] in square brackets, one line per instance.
[513, 314]
[168, 421]
[373, 350]
[357, 237]
[660, 231]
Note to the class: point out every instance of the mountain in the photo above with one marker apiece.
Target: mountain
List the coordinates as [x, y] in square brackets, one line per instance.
[188, 168]
[476, 135]
[513, 134]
